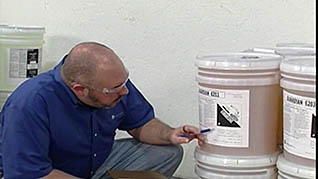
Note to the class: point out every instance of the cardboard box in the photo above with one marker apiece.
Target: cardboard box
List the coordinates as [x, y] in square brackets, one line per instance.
[118, 174]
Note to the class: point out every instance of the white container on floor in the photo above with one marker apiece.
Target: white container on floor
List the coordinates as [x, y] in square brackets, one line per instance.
[20, 54]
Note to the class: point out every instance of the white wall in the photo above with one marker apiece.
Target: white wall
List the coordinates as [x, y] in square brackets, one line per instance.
[158, 40]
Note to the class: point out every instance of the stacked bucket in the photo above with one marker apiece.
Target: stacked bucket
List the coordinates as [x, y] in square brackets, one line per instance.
[242, 98]
[20, 56]
[287, 50]
[299, 96]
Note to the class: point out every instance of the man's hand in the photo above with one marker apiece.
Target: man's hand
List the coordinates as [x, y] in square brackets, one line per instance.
[157, 132]
[185, 134]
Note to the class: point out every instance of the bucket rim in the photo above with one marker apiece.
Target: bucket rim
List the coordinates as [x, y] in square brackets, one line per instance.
[236, 161]
[284, 50]
[303, 65]
[238, 61]
[22, 29]
[291, 168]
[267, 80]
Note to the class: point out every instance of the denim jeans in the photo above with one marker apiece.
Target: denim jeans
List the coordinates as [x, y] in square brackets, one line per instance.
[129, 154]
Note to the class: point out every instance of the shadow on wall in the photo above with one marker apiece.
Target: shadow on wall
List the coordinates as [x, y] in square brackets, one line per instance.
[54, 48]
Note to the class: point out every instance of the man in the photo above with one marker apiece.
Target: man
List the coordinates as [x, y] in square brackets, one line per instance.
[62, 123]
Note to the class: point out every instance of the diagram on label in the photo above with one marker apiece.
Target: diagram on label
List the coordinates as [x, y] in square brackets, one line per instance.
[228, 115]
[313, 126]
[32, 62]
[226, 111]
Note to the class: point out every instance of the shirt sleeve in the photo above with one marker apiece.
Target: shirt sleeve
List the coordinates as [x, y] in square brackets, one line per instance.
[137, 109]
[25, 140]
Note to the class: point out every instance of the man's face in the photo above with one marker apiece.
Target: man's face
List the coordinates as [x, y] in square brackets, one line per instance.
[108, 87]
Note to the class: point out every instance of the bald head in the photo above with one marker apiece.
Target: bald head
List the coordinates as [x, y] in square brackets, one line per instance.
[85, 60]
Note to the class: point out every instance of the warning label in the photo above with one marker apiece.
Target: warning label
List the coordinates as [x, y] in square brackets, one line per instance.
[23, 63]
[226, 111]
[300, 125]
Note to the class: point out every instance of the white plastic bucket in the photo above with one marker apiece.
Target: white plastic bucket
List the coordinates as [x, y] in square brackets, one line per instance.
[290, 170]
[20, 54]
[299, 98]
[213, 166]
[246, 86]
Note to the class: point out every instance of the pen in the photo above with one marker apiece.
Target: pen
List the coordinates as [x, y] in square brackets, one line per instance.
[201, 132]
[205, 130]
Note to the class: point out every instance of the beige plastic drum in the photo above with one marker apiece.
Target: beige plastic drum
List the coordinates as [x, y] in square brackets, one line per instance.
[239, 98]
[286, 50]
[299, 96]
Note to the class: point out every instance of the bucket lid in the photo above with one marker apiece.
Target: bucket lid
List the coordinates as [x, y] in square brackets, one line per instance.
[252, 81]
[285, 51]
[299, 44]
[305, 65]
[22, 30]
[294, 169]
[238, 61]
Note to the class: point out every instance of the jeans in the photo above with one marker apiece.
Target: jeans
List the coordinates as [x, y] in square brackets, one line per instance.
[129, 154]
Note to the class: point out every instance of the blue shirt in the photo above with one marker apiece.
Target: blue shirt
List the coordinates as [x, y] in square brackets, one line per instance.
[44, 126]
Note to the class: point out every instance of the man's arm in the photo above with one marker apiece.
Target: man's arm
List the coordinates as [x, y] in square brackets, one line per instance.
[157, 132]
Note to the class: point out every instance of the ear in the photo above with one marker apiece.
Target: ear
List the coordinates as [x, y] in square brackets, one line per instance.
[79, 90]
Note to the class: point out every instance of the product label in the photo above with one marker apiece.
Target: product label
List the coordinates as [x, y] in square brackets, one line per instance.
[300, 125]
[227, 113]
[23, 63]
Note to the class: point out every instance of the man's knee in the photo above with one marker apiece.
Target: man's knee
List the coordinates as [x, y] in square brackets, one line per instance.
[173, 159]
[178, 151]
[175, 153]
